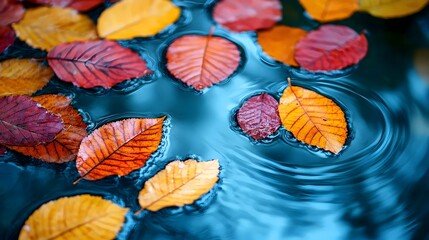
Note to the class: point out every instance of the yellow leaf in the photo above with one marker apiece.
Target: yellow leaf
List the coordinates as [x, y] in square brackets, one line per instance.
[330, 10]
[47, 27]
[136, 18]
[313, 118]
[392, 8]
[78, 217]
[180, 183]
[22, 77]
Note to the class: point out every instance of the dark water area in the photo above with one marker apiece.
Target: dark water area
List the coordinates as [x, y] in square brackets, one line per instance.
[376, 188]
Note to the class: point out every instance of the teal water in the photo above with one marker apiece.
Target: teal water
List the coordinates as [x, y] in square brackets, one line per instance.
[377, 188]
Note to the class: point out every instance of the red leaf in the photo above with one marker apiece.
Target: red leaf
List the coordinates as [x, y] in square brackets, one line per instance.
[96, 63]
[201, 61]
[7, 37]
[247, 15]
[80, 5]
[331, 47]
[23, 122]
[10, 12]
[259, 117]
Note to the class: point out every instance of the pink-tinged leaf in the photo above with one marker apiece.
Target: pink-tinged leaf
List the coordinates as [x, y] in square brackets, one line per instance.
[201, 61]
[7, 37]
[24, 122]
[259, 117]
[10, 12]
[96, 63]
[80, 5]
[247, 15]
[331, 47]
[2, 151]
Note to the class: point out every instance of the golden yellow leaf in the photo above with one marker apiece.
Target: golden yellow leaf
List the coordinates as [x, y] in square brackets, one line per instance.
[71, 218]
[47, 27]
[313, 119]
[330, 10]
[180, 183]
[392, 8]
[23, 77]
[136, 18]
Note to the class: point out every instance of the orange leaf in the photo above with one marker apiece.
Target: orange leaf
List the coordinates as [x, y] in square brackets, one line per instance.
[279, 43]
[66, 144]
[118, 148]
[313, 118]
[330, 10]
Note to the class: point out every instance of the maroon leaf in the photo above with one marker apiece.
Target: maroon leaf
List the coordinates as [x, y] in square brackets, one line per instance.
[2, 151]
[259, 116]
[247, 15]
[10, 12]
[96, 63]
[80, 5]
[331, 47]
[7, 37]
[24, 123]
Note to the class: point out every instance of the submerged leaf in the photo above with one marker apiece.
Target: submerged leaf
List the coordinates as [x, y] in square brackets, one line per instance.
[24, 123]
[96, 63]
[10, 12]
[180, 183]
[66, 144]
[47, 27]
[136, 18]
[80, 5]
[23, 77]
[392, 8]
[201, 61]
[259, 117]
[118, 148]
[7, 38]
[247, 15]
[421, 63]
[313, 119]
[77, 217]
[330, 10]
[331, 47]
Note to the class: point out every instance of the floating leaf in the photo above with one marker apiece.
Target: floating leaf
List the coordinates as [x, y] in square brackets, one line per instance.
[23, 77]
[47, 27]
[392, 8]
[421, 63]
[80, 5]
[331, 47]
[66, 144]
[7, 37]
[247, 15]
[136, 18]
[77, 217]
[258, 116]
[330, 10]
[279, 43]
[118, 148]
[201, 61]
[313, 118]
[24, 123]
[10, 12]
[180, 183]
[96, 63]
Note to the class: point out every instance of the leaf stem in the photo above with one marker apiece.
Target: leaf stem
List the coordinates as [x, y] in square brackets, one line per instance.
[289, 81]
[138, 212]
[77, 180]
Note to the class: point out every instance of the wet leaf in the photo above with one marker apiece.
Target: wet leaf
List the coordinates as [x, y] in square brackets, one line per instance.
[7, 37]
[392, 8]
[66, 144]
[330, 10]
[331, 47]
[47, 27]
[24, 123]
[279, 43]
[77, 217]
[247, 15]
[180, 183]
[96, 63]
[119, 148]
[201, 61]
[259, 117]
[313, 119]
[80, 5]
[135, 18]
[421, 63]
[10, 12]
[23, 77]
